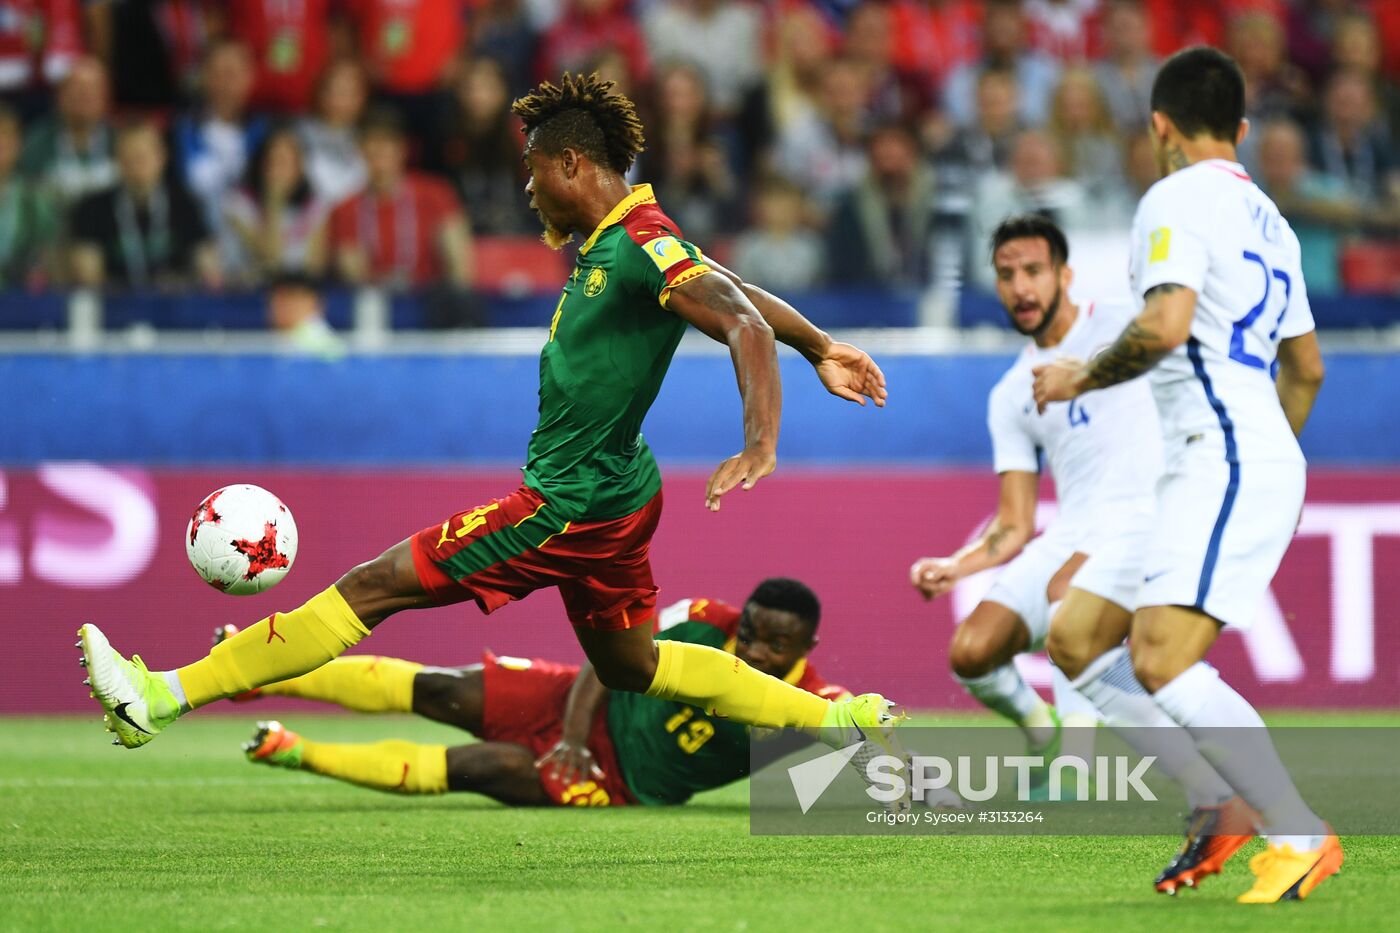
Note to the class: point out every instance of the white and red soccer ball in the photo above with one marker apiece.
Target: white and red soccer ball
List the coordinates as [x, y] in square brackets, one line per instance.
[242, 539]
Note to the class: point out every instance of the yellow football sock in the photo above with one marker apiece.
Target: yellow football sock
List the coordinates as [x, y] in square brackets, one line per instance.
[282, 646]
[364, 683]
[720, 683]
[393, 765]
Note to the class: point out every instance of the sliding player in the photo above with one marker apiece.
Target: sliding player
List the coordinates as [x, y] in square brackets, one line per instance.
[1224, 309]
[551, 733]
[591, 499]
[1105, 457]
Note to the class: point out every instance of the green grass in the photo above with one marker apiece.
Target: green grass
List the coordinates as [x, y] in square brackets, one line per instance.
[186, 835]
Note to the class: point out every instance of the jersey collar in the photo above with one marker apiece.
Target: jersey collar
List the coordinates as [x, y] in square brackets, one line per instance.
[1225, 165]
[641, 194]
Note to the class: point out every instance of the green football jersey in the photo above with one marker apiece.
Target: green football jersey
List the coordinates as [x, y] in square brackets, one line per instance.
[610, 343]
[669, 751]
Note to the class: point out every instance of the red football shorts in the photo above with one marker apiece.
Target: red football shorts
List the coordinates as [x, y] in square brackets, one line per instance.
[510, 547]
[523, 703]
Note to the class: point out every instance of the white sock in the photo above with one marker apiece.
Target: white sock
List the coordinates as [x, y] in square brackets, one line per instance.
[1069, 702]
[1005, 691]
[1207, 707]
[177, 688]
[1129, 710]
[1077, 715]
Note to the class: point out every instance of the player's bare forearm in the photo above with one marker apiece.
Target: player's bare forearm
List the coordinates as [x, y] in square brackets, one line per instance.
[789, 326]
[585, 698]
[848, 372]
[752, 348]
[1300, 375]
[717, 307]
[1010, 529]
[570, 759]
[935, 576]
[1163, 325]
[756, 367]
[997, 545]
[1297, 400]
[1136, 350]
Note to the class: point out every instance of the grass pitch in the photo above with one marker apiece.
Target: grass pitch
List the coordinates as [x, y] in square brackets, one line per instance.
[186, 835]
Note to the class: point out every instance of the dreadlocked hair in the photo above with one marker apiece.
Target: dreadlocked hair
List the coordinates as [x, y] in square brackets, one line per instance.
[582, 113]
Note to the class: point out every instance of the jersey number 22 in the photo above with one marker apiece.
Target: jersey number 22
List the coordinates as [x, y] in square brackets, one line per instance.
[1237, 351]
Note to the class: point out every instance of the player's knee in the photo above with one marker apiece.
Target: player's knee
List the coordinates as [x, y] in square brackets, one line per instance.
[440, 695]
[1067, 653]
[373, 579]
[972, 653]
[388, 576]
[1154, 669]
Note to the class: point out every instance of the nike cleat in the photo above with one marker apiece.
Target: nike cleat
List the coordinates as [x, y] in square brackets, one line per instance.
[275, 744]
[222, 634]
[1213, 835]
[1281, 874]
[137, 703]
[870, 719]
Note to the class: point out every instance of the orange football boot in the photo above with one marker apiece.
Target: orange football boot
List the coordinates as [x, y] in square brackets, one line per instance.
[1213, 835]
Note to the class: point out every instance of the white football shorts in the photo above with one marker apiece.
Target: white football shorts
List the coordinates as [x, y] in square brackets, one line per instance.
[1221, 531]
[1117, 545]
[1021, 584]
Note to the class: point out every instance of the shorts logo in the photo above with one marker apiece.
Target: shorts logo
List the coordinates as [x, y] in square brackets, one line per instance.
[1161, 243]
[595, 283]
[665, 252]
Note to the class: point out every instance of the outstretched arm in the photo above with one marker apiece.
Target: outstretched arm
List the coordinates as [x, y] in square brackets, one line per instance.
[716, 307]
[1007, 533]
[1163, 325]
[846, 371]
[570, 759]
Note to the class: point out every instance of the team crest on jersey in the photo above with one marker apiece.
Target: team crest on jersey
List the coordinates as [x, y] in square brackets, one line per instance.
[595, 283]
[1161, 243]
[665, 252]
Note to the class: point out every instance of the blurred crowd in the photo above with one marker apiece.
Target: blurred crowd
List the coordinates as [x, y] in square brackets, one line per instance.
[808, 143]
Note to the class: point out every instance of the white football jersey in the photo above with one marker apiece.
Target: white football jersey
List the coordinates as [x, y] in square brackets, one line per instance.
[1209, 228]
[1104, 448]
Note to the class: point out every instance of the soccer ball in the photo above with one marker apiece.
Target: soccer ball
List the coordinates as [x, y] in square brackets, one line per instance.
[241, 540]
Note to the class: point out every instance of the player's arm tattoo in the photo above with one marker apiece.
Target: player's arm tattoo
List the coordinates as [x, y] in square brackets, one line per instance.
[996, 536]
[1135, 351]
